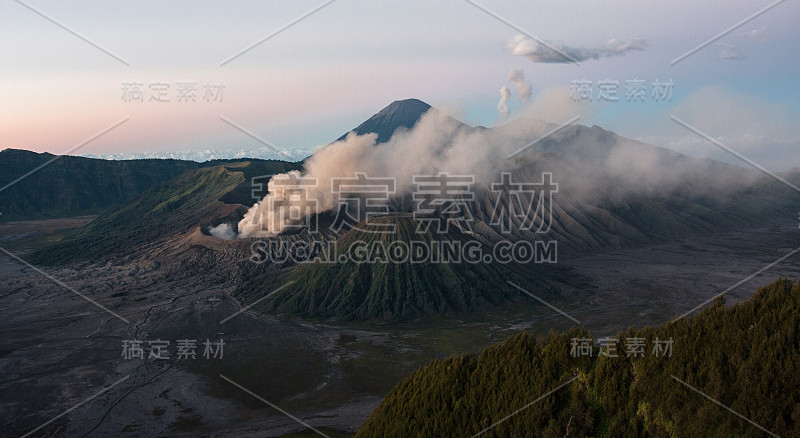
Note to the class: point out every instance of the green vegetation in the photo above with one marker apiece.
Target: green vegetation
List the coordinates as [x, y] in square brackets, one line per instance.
[174, 207]
[395, 290]
[74, 186]
[746, 357]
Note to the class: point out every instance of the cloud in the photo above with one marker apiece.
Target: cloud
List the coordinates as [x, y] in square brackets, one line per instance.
[755, 34]
[202, 155]
[535, 51]
[730, 52]
[524, 90]
[502, 106]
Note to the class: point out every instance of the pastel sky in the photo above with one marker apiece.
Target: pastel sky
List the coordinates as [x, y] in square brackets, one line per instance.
[324, 75]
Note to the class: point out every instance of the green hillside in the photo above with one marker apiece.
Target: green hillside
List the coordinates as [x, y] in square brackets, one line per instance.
[746, 357]
[72, 186]
[168, 209]
[356, 290]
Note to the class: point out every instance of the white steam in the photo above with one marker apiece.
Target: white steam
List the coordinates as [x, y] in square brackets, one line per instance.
[524, 90]
[223, 231]
[502, 106]
[437, 143]
[589, 163]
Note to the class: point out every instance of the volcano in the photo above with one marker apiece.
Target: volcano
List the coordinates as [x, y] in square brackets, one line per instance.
[374, 284]
[397, 115]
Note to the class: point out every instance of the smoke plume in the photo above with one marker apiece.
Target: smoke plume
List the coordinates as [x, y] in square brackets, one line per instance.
[589, 164]
[502, 106]
[223, 231]
[437, 143]
[524, 90]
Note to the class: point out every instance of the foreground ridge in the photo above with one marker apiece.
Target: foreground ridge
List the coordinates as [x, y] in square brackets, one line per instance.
[744, 358]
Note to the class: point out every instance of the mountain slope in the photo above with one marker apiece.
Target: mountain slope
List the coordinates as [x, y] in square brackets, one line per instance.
[165, 213]
[595, 208]
[72, 186]
[399, 287]
[746, 357]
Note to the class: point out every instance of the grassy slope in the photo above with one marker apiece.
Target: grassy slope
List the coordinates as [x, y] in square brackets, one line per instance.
[359, 291]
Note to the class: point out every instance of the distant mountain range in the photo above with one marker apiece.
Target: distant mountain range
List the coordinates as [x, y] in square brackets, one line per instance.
[74, 185]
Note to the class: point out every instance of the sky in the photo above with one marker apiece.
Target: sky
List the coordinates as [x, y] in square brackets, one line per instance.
[325, 74]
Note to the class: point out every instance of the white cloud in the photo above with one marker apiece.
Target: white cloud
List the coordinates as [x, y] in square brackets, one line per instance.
[535, 51]
[730, 52]
[755, 34]
[203, 155]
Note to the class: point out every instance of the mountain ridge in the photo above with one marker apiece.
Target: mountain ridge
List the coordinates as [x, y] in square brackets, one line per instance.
[75, 186]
